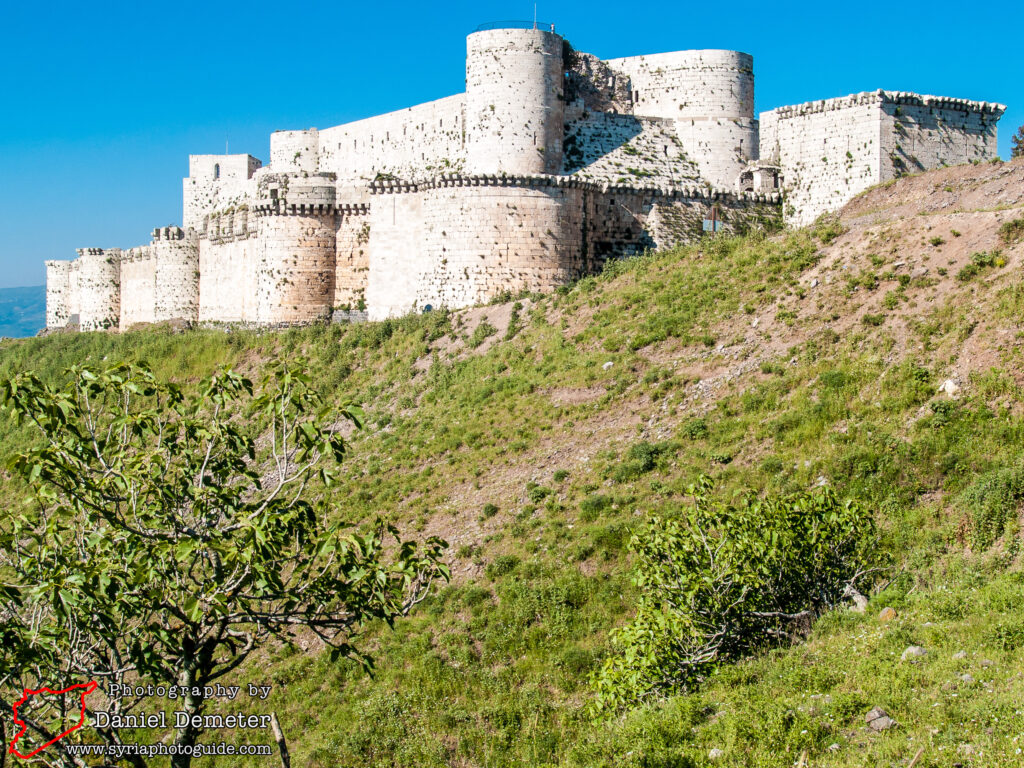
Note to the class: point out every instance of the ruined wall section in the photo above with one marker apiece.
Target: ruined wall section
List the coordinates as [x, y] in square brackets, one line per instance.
[215, 182]
[99, 281]
[593, 86]
[58, 293]
[710, 96]
[515, 101]
[412, 143]
[920, 133]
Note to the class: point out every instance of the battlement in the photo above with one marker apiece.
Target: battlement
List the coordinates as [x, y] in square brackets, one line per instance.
[168, 233]
[887, 97]
[398, 186]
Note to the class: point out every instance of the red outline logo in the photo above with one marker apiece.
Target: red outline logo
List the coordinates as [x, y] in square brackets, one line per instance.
[88, 688]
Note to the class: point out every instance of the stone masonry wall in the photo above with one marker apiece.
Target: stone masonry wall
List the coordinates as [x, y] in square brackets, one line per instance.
[410, 143]
[460, 240]
[227, 284]
[709, 95]
[138, 286]
[352, 260]
[58, 293]
[924, 132]
[100, 288]
[483, 240]
[176, 281]
[831, 150]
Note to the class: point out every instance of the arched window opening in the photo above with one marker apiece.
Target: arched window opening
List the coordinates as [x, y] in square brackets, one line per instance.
[216, 171]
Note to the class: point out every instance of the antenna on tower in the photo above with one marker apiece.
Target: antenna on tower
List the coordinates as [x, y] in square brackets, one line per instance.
[534, 15]
[226, 147]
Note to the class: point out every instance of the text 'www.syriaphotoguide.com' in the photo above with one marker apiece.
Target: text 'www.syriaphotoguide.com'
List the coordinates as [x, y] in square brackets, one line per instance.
[159, 750]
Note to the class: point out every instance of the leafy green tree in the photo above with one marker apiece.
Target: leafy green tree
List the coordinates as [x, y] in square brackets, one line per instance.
[170, 536]
[1017, 140]
[721, 579]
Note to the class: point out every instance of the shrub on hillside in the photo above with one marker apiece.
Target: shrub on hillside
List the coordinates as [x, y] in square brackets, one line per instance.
[1017, 140]
[721, 579]
[992, 502]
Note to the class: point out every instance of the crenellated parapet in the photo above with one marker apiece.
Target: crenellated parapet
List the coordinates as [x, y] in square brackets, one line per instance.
[697, 192]
[880, 96]
[282, 194]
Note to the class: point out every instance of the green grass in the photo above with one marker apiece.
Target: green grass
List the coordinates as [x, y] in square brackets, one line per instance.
[493, 669]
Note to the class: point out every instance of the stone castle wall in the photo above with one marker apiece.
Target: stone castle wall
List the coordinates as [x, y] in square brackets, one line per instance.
[459, 240]
[830, 150]
[420, 140]
[138, 287]
[99, 285]
[352, 256]
[710, 97]
[923, 132]
[552, 162]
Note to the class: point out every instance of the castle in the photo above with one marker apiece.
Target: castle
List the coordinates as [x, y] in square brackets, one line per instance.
[551, 162]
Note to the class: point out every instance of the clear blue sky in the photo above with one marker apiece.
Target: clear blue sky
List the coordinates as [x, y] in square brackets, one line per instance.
[104, 101]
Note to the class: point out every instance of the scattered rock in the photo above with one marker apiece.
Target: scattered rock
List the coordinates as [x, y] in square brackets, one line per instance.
[715, 754]
[879, 720]
[986, 662]
[607, 365]
[913, 652]
[960, 655]
[968, 678]
[886, 615]
[833, 747]
[949, 387]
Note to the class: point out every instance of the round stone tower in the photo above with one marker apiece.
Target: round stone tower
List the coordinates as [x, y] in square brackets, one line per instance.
[709, 94]
[177, 274]
[514, 101]
[296, 254]
[100, 288]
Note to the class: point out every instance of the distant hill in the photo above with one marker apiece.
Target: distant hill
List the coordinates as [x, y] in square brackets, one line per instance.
[22, 311]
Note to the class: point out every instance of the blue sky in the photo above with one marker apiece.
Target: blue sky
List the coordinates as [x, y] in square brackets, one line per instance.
[104, 101]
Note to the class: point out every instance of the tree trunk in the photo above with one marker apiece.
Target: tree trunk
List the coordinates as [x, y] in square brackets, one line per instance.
[185, 737]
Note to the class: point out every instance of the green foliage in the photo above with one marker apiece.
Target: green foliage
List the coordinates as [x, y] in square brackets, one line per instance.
[980, 260]
[720, 579]
[1012, 232]
[827, 228]
[992, 502]
[481, 333]
[158, 550]
[1017, 143]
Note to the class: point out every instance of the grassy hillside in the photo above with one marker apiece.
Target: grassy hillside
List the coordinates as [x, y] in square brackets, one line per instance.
[534, 433]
